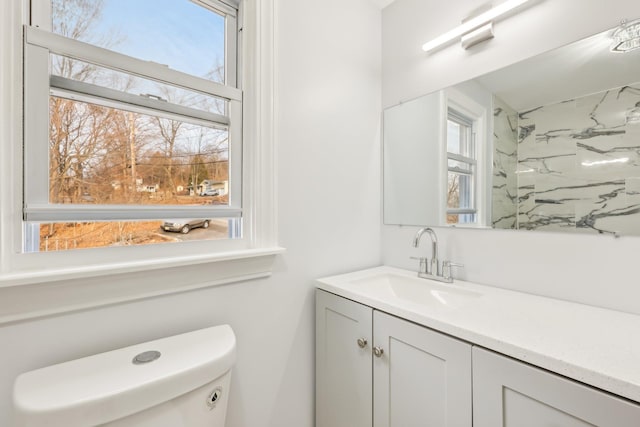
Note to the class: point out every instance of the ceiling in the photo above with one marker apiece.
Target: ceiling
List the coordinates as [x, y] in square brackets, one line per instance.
[575, 70]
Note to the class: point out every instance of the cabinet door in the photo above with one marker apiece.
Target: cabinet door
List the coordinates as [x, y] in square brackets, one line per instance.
[422, 378]
[508, 393]
[343, 367]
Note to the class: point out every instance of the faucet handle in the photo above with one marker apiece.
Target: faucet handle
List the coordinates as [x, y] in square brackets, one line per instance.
[446, 268]
[424, 264]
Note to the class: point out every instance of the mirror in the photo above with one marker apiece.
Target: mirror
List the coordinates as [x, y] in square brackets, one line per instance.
[550, 143]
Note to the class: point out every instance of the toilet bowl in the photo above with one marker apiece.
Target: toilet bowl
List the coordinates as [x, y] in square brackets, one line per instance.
[179, 381]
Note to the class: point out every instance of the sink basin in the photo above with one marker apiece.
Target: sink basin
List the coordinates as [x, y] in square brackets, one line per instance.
[416, 290]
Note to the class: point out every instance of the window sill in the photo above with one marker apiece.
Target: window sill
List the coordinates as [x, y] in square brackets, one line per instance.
[470, 226]
[32, 295]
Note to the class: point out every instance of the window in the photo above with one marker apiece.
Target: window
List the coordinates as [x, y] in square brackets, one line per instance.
[108, 84]
[144, 129]
[461, 169]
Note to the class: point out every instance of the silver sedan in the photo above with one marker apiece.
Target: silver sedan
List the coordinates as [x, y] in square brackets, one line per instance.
[184, 225]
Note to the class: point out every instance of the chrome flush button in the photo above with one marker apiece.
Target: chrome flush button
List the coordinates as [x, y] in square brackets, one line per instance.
[146, 357]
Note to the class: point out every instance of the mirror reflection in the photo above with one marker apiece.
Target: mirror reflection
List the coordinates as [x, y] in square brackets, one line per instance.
[550, 143]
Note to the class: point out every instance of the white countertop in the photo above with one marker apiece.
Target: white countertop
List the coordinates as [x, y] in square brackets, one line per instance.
[592, 345]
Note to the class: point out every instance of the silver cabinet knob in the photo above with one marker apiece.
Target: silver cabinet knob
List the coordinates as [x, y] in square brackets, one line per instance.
[362, 342]
[378, 352]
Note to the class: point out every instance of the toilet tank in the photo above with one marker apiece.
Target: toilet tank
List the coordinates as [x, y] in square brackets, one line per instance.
[179, 381]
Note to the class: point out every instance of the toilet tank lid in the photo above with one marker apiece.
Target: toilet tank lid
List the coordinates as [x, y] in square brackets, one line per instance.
[108, 386]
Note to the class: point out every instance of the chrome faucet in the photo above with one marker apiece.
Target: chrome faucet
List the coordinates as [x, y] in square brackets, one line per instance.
[432, 269]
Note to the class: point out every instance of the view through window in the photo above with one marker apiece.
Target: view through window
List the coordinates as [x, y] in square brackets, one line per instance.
[123, 144]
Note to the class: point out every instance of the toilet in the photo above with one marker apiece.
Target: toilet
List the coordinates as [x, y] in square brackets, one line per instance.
[179, 381]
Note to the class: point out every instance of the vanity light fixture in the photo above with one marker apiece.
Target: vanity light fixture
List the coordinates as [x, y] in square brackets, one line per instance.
[471, 29]
[626, 37]
[477, 36]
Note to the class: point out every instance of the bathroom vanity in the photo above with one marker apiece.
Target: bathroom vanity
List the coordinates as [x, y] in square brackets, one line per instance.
[394, 350]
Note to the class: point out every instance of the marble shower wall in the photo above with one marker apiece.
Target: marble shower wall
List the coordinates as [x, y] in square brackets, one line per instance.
[578, 165]
[505, 161]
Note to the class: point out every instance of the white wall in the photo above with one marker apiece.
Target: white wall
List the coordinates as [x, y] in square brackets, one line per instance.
[595, 270]
[328, 109]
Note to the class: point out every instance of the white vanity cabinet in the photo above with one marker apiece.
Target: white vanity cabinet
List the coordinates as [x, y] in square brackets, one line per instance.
[368, 362]
[343, 363]
[378, 370]
[508, 393]
[422, 377]
[443, 351]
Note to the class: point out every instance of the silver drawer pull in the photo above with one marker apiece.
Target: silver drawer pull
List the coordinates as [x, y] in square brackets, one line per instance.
[362, 342]
[378, 352]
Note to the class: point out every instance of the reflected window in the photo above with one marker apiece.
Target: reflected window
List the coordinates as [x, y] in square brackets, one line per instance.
[461, 169]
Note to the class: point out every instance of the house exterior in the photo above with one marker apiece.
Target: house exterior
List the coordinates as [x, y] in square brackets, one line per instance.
[209, 184]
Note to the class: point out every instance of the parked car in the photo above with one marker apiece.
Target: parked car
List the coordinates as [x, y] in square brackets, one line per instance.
[214, 192]
[184, 225]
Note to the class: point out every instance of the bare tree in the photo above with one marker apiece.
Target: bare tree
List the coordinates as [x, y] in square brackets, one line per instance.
[76, 130]
[169, 133]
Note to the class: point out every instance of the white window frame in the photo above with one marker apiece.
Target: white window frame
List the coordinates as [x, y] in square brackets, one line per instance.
[24, 277]
[468, 124]
[40, 42]
[479, 116]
